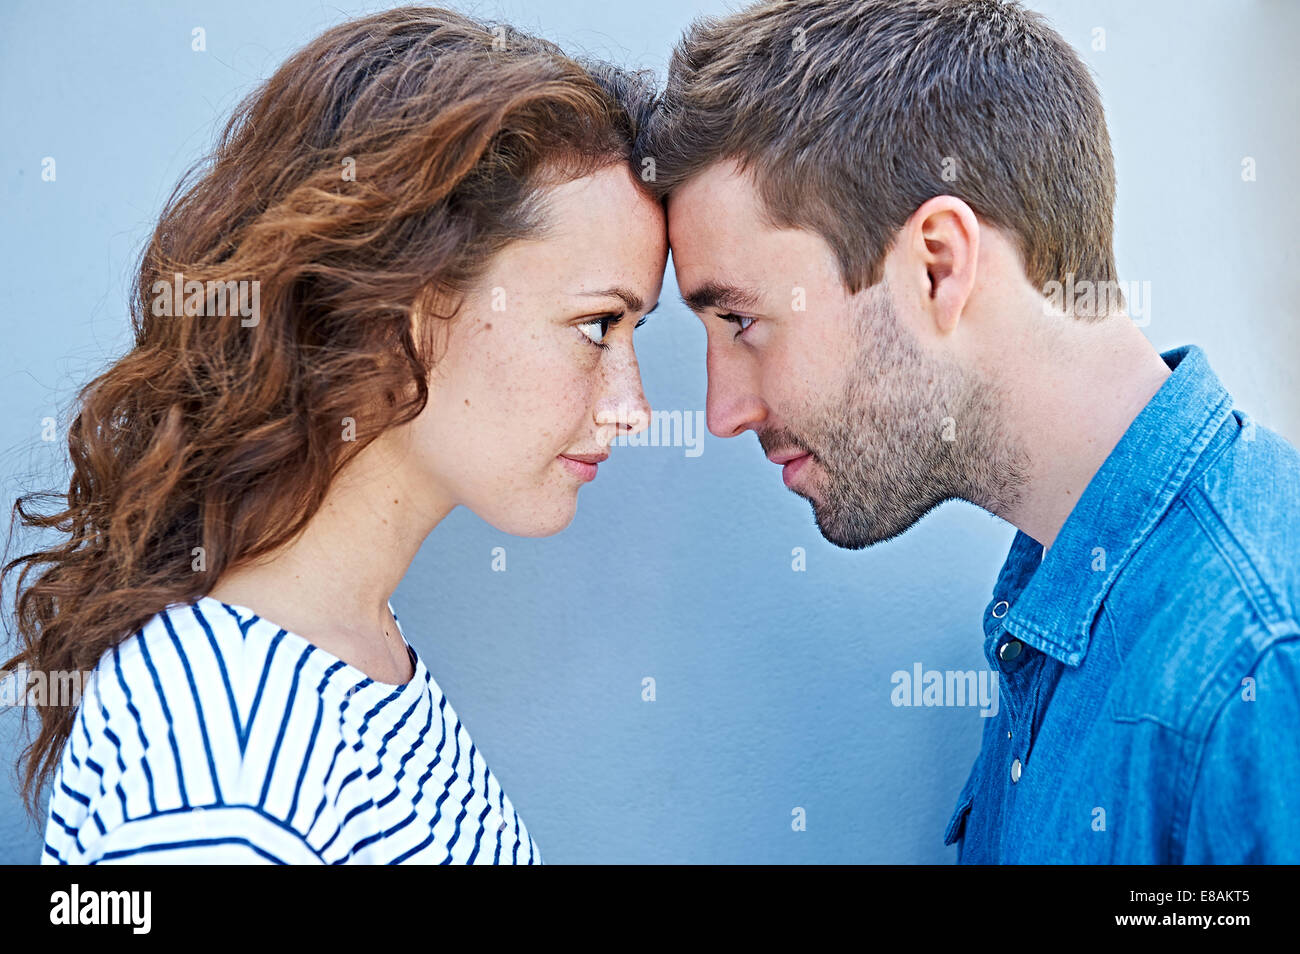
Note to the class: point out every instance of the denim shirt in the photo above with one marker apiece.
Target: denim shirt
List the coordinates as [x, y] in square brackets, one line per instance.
[1149, 661]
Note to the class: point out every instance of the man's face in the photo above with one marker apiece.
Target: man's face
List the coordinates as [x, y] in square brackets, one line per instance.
[838, 389]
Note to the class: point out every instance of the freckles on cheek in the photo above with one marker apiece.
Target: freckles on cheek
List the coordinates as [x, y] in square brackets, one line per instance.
[530, 389]
[566, 412]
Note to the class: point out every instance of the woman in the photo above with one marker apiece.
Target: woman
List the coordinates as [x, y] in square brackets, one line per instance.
[439, 251]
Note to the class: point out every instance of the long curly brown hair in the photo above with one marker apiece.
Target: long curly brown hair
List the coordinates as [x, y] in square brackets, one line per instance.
[370, 179]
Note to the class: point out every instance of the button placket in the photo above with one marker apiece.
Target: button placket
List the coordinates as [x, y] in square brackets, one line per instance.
[1011, 656]
[1015, 660]
[1010, 690]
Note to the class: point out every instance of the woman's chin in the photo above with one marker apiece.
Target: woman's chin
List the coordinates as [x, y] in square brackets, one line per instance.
[535, 523]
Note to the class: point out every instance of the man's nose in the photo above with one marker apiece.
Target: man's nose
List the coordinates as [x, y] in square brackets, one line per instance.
[733, 404]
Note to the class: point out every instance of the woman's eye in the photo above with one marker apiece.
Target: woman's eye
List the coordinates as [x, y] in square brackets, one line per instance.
[596, 329]
[740, 320]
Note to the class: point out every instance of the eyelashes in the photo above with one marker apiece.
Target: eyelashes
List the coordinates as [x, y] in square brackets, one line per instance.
[739, 320]
[605, 322]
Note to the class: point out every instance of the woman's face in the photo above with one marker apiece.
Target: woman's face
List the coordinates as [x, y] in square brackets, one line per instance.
[537, 367]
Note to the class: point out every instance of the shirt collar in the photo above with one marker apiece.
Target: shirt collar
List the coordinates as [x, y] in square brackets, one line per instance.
[1051, 600]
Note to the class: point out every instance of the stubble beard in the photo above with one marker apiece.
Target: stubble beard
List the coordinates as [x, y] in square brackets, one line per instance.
[907, 433]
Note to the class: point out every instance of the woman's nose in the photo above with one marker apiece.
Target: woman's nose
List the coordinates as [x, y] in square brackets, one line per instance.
[624, 405]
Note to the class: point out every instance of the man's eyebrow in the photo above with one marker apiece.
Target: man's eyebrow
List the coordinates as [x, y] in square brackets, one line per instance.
[719, 295]
[630, 298]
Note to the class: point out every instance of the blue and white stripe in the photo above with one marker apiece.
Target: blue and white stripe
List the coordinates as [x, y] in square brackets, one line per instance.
[214, 736]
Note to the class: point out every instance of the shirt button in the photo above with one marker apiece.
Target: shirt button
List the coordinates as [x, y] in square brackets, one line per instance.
[1015, 770]
[1000, 609]
[1010, 650]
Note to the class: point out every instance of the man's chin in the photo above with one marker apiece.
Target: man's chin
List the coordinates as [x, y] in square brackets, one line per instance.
[856, 532]
[834, 531]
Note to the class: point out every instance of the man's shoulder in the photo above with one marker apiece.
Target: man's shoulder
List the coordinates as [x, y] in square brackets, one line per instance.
[1214, 587]
[1246, 505]
[1229, 543]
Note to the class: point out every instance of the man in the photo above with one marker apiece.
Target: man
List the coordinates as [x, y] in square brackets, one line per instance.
[894, 218]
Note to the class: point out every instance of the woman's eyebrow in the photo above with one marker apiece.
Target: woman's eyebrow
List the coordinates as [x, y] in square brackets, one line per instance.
[630, 298]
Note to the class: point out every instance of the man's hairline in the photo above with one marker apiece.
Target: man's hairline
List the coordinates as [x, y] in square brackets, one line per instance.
[745, 168]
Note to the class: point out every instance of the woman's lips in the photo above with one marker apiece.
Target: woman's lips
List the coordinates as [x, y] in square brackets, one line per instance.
[582, 469]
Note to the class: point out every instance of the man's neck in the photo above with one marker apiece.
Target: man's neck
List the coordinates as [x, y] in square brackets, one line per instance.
[1073, 392]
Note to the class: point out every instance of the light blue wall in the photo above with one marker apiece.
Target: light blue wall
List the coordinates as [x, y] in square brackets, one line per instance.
[773, 686]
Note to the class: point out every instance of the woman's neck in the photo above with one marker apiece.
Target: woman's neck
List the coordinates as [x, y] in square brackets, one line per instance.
[332, 583]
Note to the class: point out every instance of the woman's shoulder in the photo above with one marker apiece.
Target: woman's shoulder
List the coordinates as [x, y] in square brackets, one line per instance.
[205, 658]
[204, 713]
[202, 671]
[178, 628]
[208, 654]
[208, 691]
[236, 689]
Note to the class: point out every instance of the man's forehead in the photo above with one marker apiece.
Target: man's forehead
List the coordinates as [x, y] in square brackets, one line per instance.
[725, 256]
[725, 251]
[724, 270]
[721, 187]
[705, 231]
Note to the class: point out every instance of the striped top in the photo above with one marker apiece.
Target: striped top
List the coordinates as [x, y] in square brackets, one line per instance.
[214, 736]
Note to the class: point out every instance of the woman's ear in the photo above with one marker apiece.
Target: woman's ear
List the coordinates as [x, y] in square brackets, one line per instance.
[431, 318]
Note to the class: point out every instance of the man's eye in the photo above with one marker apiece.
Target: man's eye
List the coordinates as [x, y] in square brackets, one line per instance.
[740, 320]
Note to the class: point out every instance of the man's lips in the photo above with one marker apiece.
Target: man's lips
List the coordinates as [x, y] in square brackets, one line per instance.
[791, 463]
[786, 456]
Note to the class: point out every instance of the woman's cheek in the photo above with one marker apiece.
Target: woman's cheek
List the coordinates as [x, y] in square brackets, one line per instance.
[556, 386]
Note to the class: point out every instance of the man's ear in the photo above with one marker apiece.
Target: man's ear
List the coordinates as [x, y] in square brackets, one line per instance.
[941, 240]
